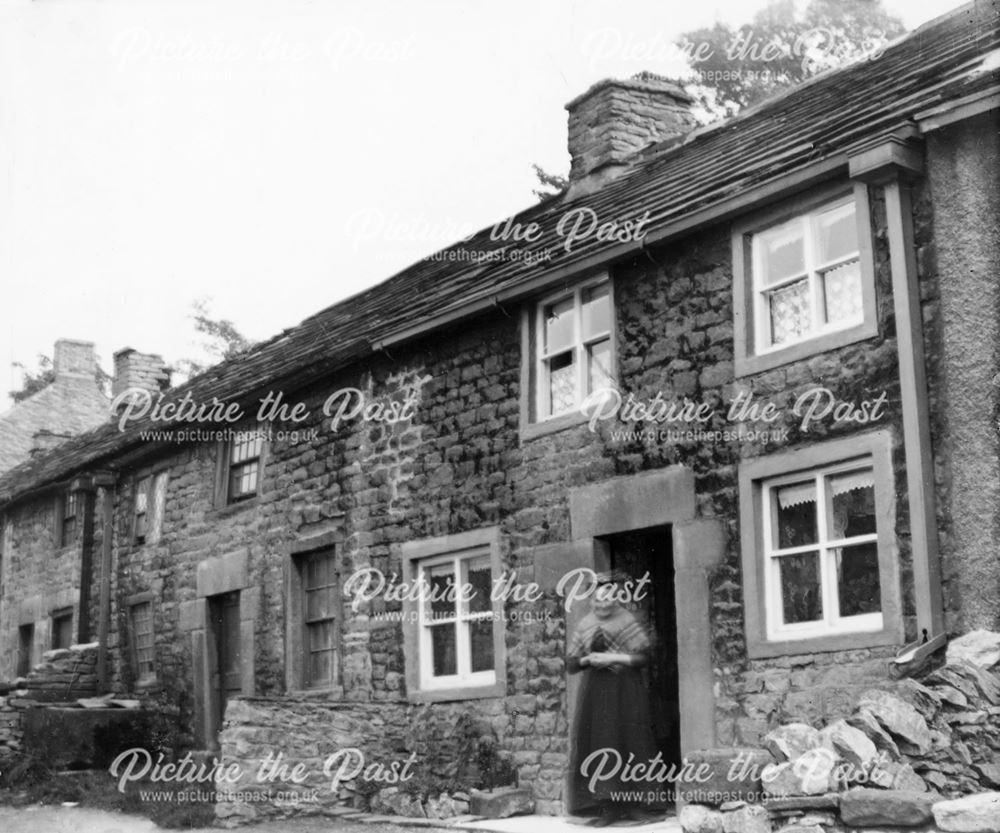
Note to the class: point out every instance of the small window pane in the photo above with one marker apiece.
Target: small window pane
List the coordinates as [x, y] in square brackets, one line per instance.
[596, 310]
[842, 293]
[853, 503]
[320, 667]
[801, 599]
[782, 252]
[559, 325]
[443, 649]
[321, 635]
[838, 233]
[442, 584]
[479, 579]
[141, 496]
[858, 580]
[599, 355]
[790, 312]
[481, 639]
[796, 512]
[562, 383]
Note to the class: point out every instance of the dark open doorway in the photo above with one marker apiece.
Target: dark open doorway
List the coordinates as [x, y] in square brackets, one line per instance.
[638, 553]
[226, 667]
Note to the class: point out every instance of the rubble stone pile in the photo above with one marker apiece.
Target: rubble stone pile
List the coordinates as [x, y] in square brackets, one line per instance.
[922, 753]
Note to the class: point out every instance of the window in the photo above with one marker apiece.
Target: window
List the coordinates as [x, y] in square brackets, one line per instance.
[454, 628]
[575, 341]
[320, 615]
[67, 521]
[818, 546]
[804, 280]
[821, 548]
[244, 464]
[25, 649]
[62, 628]
[150, 502]
[142, 636]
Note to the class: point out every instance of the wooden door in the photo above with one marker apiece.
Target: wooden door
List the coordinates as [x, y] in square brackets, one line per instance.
[227, 676]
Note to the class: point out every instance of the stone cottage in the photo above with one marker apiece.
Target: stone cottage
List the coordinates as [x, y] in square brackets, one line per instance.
[753, 365]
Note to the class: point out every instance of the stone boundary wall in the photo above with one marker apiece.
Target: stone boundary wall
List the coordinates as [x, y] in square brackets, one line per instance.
[429, 750]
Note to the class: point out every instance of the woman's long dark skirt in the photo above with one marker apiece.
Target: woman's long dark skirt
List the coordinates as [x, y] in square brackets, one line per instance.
[612, 713]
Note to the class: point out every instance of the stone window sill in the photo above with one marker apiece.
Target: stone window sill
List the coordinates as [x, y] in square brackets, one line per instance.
[481, 692]
[552, 426]
[238, 506]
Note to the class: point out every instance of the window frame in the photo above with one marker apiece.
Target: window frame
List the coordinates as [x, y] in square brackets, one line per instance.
[757, 476]
[533, 379]
[418, 555]
[305, 642]
[133, 603]
[224, 499]
[155, 506]
[750, 357]
[296, 635]
[578, 347]
[67, 526]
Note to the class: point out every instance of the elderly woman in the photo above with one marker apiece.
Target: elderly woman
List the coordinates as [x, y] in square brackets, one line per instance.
[609, 647]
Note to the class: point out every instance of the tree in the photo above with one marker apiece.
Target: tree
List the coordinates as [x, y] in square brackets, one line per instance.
[44, 375]
[738, 67]
[552, 185]
[224, 340]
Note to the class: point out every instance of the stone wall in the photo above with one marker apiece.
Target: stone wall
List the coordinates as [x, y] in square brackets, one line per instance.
[349, 752]
[915, 751]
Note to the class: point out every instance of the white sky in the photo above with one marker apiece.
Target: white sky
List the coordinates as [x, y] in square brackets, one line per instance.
[276, 156]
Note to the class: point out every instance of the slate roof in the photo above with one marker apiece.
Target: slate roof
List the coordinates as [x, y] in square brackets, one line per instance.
[818, 120]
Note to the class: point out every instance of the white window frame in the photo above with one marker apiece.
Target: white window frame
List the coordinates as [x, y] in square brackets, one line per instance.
[753, 352]
[824, 547]
[578, 348]
[765, 633]
[421, 684]
[813, 271]
[464, 676]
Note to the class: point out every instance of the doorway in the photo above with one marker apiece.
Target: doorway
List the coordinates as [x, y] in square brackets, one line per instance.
[649, 552]
[226, 667]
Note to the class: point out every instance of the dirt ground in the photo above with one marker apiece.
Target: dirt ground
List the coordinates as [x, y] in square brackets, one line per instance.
[36, 819]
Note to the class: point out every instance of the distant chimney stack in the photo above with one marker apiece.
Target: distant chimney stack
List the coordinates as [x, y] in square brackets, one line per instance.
[615, 119]
[74, 359]
[139, 370]
[45, 440]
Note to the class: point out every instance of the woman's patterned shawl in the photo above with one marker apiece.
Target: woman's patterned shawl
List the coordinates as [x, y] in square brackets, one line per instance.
[620, 633]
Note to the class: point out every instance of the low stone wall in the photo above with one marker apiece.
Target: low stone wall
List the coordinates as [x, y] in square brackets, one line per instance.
[301, 755]
[63, 675]
[917, 753]
[11, 732]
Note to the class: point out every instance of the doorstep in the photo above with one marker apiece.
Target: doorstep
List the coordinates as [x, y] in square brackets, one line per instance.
[516, 824]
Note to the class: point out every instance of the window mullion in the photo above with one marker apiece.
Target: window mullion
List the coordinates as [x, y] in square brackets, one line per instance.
[827, 569]
[808, 239]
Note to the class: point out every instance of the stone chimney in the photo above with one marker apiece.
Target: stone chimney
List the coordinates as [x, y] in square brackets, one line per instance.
[139, 370]
[615, 119]
[74, 359]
